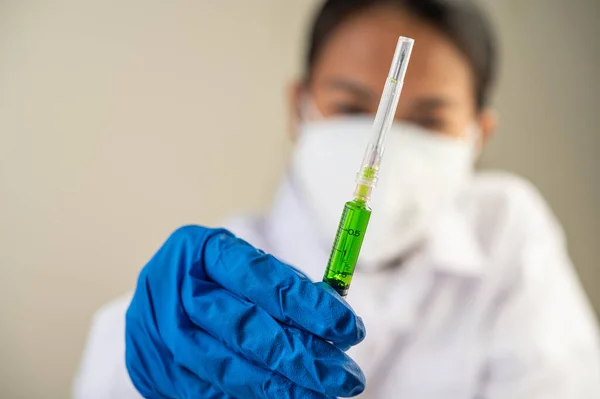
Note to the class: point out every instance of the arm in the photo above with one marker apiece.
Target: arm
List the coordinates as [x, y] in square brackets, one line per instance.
[102, 373]
[545, 338]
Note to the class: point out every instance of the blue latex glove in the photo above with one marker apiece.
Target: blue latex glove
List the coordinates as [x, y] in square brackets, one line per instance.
[213, 317]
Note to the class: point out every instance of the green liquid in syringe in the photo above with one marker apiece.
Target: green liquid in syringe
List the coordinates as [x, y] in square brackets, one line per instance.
[346, 247]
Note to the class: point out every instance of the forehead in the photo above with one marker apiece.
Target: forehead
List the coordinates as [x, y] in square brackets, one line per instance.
[362, 47]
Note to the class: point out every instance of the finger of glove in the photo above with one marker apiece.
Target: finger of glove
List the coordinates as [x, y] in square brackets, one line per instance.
[192, 387]
[303, 358]
[148, 359]
[212, 361]
[275, 287]
[196, 388]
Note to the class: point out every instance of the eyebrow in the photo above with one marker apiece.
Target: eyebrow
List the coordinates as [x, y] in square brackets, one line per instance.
[357, 89]
[429, 104]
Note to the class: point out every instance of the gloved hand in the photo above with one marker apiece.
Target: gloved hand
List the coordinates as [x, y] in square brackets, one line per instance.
[213, 317]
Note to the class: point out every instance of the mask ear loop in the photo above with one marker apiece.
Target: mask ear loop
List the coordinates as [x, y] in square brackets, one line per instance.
[308, 109]
[475, 138]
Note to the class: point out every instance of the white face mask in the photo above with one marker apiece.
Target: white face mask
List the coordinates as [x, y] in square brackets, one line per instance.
[421, 174]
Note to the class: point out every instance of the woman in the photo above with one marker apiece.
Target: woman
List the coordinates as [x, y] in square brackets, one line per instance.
[464, 282]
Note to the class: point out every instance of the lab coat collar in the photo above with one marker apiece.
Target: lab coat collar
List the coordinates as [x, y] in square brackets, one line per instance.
[452, 247]
[290, 233]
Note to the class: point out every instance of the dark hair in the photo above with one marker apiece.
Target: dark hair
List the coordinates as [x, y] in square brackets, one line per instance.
[460, 20]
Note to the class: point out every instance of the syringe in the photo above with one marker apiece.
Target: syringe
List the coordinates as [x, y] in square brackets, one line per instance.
[356, 214]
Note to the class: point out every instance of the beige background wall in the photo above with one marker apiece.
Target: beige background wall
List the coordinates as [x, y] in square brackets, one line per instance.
[116, 119]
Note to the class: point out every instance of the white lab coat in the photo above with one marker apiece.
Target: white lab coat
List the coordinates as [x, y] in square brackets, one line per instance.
[489, 308]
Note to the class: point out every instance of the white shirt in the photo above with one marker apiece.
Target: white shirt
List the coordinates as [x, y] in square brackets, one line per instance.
[489, 308]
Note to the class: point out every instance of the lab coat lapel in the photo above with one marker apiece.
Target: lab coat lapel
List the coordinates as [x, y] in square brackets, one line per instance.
[291, 236]
[389, 301]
